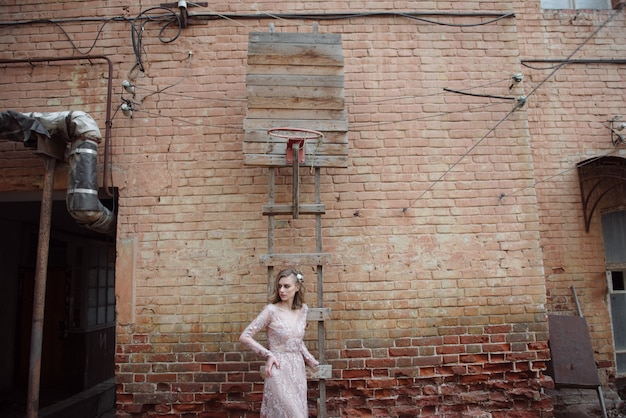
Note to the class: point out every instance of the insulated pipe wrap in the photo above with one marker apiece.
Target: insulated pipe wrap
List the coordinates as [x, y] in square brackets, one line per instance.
[80, 130]
[82, 194]
[69, 125]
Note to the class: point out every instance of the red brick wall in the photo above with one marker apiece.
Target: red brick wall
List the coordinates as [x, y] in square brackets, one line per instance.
[568, 120]
[443, 265]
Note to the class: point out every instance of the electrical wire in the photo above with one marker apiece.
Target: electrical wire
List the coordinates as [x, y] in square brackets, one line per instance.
[459, 25]
[434, 115]
[225, 17]
[58, 24]
[517, 106]
[493, 128]
[496, 16]
[188, 122]
[75, 46]
[189, 96]
[273, 16]
[559, 66]
[439, 93]
[568, 62]
[418, 16]
[356, 125]
[353, 100]
[359, 125]
[575, 51]
[589, 161]
[170, 17]
[190, 55]
[144, 17]
[490, 96]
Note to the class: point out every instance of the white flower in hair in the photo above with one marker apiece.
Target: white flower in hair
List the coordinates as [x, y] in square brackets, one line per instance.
[299, 277]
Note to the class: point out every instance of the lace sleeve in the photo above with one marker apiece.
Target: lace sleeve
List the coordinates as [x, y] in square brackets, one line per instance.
[308, 357]
[259, 323]
[306, 354]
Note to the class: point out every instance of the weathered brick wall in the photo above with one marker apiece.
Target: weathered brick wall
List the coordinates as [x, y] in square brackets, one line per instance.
[568, 120]
[436, 284]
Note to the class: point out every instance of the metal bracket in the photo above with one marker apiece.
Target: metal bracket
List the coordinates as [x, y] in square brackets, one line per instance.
[182, 6]
[301, 150]
[194, 4]
[615, 127]
[51, 147]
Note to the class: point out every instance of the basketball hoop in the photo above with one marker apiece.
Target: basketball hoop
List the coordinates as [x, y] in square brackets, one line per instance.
[295, 155]
[296, 138]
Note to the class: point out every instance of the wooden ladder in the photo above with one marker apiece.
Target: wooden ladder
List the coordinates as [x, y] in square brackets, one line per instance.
[320, 314]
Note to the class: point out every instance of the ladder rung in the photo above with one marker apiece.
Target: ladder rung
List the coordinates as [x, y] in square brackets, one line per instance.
[318, 314]
[323, 371]
[302, 259]
[305, 209]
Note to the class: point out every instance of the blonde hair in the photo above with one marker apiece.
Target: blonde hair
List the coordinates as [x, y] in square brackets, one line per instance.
[298, 299]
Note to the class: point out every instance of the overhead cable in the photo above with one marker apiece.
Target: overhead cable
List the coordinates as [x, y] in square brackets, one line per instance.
[493, 128]
[419, 16]
[145, 17]
[535, 183]
[522, 100]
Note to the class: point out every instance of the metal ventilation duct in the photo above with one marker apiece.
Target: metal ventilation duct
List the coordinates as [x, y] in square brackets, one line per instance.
[81, 131]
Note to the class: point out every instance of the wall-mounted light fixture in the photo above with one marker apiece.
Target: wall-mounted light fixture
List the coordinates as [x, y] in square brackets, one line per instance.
[127, 108]
[616, 125]
[129, 87]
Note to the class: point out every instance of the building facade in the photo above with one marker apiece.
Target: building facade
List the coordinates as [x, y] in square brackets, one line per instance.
[478, 191]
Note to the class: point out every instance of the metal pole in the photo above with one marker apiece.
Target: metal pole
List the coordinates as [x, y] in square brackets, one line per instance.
[599, 388]
[578, 309]
[321, 331]
[39, 299]
[296, 180]
[270, 230]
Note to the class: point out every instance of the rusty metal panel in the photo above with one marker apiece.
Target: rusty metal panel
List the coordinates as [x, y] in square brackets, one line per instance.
[572, 364]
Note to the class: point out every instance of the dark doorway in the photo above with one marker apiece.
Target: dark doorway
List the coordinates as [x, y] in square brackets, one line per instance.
[78, 346]
[54, 332]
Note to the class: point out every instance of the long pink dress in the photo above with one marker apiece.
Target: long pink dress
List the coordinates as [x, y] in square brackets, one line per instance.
[285, 393]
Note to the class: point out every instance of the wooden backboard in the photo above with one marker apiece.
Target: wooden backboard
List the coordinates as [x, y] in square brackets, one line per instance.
[295, 80]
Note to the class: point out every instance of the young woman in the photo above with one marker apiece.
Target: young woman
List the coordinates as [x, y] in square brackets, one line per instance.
[284, 320]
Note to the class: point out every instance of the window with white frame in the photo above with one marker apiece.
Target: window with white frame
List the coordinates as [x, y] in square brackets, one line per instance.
[576, 4]
[614, 234]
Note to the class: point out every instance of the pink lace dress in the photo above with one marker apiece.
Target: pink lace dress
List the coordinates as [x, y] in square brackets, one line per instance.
[285, 393]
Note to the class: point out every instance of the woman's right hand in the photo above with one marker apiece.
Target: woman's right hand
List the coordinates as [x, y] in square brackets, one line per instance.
[271, 362]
